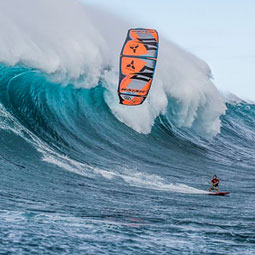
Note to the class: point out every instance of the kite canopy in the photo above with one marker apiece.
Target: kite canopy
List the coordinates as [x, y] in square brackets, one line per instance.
[137, 65]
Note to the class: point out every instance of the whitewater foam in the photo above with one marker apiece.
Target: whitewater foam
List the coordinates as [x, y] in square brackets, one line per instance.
[133, 178]
[148, 181]
[73, 46]
[153, 181]
[54, 36]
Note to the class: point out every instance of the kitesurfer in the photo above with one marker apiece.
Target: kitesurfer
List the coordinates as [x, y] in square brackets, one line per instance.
[215, 184]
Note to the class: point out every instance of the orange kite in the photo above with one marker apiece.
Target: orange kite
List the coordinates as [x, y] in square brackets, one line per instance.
[137, 65]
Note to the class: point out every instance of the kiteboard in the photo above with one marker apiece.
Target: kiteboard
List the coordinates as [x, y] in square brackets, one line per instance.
[138, 59]
[218, 193]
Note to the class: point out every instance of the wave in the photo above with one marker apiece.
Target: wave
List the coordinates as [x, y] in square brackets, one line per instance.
[58, 93]
[74, 160]
[82, 51]
[76, 129]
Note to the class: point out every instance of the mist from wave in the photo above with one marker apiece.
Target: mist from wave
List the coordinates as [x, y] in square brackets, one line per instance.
[82, 51]
[78, 170]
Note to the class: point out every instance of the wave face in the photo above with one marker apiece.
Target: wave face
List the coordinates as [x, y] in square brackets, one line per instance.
[79, 170]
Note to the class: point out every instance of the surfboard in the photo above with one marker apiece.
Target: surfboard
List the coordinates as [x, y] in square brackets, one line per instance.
[218, 193]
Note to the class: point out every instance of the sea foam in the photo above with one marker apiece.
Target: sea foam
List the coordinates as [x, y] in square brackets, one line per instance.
[79, 44]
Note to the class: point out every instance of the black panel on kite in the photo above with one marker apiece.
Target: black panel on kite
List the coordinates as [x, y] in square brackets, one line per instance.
[137, 65]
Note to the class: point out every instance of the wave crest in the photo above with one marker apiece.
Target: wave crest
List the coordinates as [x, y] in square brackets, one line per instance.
[74, 47]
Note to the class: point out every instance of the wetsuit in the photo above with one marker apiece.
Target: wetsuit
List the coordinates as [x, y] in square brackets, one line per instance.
[215, 182]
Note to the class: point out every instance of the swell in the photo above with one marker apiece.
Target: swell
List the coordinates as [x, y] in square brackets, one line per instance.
[80, 124]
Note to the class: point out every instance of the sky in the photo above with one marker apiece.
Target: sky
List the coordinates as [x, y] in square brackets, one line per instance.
[221, 32]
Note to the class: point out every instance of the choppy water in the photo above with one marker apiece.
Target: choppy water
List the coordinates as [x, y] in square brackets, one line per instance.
[81, 174]
[76, 180]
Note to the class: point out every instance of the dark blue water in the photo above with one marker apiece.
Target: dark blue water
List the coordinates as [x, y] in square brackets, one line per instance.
[75, 180]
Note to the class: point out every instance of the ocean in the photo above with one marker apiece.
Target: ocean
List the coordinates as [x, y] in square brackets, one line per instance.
[82, 174]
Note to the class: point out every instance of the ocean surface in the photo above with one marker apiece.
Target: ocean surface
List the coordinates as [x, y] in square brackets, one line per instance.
[75, 180]
[82, 174]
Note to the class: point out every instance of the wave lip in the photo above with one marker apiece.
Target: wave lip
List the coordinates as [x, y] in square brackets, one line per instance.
[82, 51]
[65, 44]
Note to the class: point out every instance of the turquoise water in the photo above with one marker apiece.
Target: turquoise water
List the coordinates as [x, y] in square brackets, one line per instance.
[76, 180]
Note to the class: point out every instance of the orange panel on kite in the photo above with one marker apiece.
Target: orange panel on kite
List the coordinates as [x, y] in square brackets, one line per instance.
[135, 48]
[130, 65]
[137, 65]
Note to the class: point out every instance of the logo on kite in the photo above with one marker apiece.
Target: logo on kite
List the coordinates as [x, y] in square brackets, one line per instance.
[131, 65]
[134, 48]
[134, 85]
